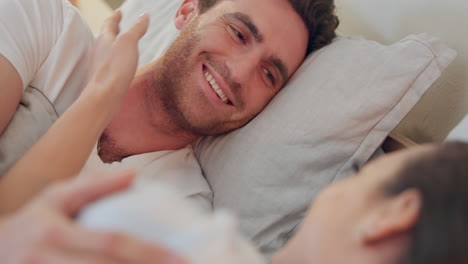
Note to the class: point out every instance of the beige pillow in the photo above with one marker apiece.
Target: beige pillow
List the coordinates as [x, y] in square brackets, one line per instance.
[336, 110]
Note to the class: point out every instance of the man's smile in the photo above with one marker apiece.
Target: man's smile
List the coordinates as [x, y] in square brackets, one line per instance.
[216, 85]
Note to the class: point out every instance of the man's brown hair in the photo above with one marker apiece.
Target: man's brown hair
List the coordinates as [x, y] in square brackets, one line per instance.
[318, 16]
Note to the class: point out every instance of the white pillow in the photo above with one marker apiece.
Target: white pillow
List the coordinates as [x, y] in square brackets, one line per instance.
[337, 109]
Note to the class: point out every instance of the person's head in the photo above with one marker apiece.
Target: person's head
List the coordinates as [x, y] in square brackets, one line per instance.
[233, 56]
[409, 207]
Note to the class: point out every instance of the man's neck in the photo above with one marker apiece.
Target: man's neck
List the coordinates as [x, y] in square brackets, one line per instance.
[133, 131]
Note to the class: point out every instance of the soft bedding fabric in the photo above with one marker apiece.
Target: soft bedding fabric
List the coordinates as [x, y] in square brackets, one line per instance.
[336, 110]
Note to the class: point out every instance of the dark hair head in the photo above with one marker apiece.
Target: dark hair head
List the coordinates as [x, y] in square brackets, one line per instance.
[318, 16]
[441, 233]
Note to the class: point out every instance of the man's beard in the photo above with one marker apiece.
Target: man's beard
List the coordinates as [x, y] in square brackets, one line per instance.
[170, 83]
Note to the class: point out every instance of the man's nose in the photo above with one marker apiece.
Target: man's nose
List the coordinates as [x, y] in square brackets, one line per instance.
[242, 66]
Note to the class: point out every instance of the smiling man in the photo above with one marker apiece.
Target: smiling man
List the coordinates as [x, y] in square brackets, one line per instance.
[230, 59]
[228, 62]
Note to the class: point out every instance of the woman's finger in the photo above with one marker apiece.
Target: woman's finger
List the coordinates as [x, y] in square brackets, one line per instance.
[116, 246]
[56, 256]
[111, 24]
[71, 197]
[138, 30]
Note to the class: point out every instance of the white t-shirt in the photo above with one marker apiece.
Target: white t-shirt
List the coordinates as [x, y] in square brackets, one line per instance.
[48, 43]
[176, 168]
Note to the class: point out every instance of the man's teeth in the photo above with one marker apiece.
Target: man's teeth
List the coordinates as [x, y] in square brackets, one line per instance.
[216, 88]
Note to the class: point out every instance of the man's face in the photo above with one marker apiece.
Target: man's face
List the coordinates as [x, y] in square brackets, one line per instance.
[229, 62]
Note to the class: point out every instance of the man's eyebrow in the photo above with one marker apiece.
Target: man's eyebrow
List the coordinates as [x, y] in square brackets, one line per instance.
[281, 66]
[247, 21]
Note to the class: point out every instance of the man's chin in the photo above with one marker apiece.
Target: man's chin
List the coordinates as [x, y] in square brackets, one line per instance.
[213, 128]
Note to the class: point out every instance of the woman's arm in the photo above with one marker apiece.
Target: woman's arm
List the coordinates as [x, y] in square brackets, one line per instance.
[64, 149]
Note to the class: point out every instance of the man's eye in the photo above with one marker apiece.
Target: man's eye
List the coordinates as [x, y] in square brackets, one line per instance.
[239, 35]
[269, 75]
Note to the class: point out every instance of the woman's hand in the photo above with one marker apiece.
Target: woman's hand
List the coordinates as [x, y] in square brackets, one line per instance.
[115, 59]
[44, 230]
[69, 141]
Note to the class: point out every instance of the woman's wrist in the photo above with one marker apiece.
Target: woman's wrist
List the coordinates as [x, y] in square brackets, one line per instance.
[102, 101]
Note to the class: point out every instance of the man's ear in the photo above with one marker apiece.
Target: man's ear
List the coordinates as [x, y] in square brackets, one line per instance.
[186, 12]
[396, 216]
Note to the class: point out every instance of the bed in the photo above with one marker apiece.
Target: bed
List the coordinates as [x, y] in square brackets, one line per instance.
[383, 87]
